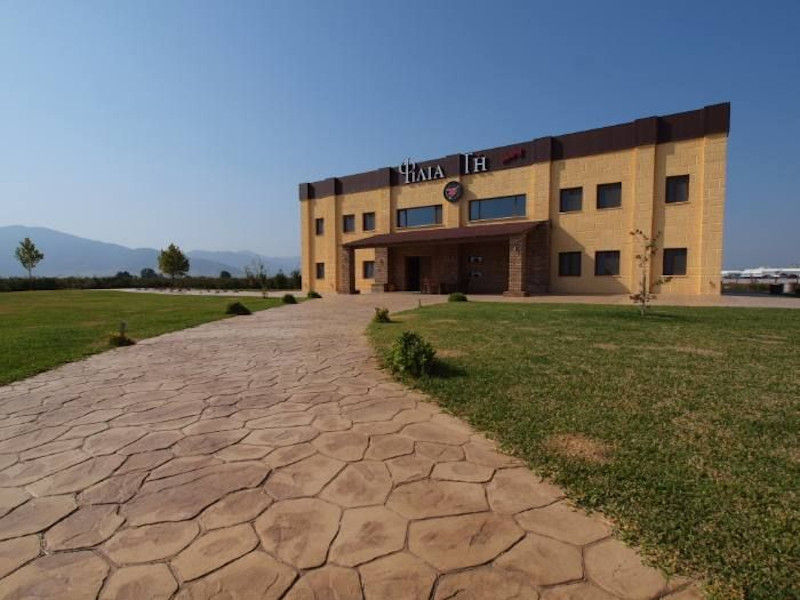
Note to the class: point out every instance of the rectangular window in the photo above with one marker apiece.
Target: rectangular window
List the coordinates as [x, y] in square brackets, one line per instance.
[571, 199]
[497, 208]
[606, 262]
[569, 264]
[348, 223]
[609, 195]
[422, 215]
[674, 261]
[677, 189]
[320, 270]
[368, 221]
[319, 226]
[369, 269]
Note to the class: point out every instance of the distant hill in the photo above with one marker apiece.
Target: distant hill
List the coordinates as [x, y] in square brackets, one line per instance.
[67, 255]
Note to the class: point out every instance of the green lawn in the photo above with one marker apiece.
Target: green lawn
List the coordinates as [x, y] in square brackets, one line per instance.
[682, 426]
[41, 330]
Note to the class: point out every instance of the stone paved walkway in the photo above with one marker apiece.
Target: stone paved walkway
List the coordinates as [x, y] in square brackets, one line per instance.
[267, 457]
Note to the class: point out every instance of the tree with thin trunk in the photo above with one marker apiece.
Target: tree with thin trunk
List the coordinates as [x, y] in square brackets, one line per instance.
[29, 256]
[173, 262]
[644, 296]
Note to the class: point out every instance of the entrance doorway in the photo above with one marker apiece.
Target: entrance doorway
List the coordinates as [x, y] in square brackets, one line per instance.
[413, 267]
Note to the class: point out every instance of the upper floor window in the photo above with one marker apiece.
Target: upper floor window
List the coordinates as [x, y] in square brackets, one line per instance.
[368, 269]
[421, 215]
[677, 189]
[674, 261]
[606, 262]
[320, 268]
[368, 221]
[571, 199]
[348, 223]
[569, 264]
[609, 195]
[319, 226]
[497, 208]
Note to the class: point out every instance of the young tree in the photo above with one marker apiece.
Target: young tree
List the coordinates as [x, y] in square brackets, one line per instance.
[644, 259]
[29, 256]
[256, 271]
[173, 262]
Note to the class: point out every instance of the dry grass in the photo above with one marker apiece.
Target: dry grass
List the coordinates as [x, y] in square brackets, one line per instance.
[579, 446]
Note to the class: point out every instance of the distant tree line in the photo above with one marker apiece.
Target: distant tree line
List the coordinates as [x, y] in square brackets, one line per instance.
[172, 262]
[148, 278]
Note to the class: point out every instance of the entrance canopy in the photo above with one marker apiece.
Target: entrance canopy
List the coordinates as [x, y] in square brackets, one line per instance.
[449, 234]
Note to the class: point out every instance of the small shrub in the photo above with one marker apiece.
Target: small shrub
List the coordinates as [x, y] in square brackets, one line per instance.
[237, 308]
[120, 338]
[456, 297]
[313, 294]
[289, 299]
[411, 354]
[381, 315]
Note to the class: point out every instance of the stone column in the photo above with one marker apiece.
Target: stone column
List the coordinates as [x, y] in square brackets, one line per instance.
[517, 265]
[381, 269]
[346, 274]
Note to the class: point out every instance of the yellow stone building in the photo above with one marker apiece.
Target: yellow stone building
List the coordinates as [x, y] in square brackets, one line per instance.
[551, 215]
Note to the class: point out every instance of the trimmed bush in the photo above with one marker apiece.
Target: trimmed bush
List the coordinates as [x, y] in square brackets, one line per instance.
[381, 315]
[289, 299]
[411, 355]
[237, 308]
[312, 294]
[118, 340]
[456, 297]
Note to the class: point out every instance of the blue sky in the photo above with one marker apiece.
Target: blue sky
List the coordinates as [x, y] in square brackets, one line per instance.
[148, 122]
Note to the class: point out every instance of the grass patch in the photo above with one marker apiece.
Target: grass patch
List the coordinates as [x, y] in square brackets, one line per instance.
[41, 330]
[683, 426]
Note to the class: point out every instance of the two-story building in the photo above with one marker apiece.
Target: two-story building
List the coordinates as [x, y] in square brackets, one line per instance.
[554, 214]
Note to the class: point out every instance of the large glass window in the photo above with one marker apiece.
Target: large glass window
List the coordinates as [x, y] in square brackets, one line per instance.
[606, 262]
[368, 221]
[569, 264]
[421, 215]
[674, 261]
[677, 189]
[348, 223]
[571, 199]
[609, 195]
[497, 208]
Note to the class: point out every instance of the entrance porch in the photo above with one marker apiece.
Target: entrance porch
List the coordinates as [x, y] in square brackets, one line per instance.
[510, 258]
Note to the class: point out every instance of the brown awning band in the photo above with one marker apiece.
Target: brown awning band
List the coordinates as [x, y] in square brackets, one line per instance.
[446, 234]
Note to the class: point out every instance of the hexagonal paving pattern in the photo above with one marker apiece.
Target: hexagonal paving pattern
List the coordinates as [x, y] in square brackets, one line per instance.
[268, 457]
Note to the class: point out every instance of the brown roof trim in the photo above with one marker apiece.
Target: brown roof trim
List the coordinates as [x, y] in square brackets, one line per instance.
[446, 234]
[677, 127]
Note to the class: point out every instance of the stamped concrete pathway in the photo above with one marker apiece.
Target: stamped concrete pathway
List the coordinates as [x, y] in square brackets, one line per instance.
[267, 457]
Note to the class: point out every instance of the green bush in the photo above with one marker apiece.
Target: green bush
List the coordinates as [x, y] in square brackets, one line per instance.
[381, 315]
[313, 294]
[289, 299]
[411, 354]
[237, 308]
[456, 297]
[119, 339]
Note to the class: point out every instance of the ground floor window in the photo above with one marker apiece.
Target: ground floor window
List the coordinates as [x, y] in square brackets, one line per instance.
[674, 261]
[606, 262]
[421, 215]
[320, 270]
[368, 268]
[569, 264]
[497, 208]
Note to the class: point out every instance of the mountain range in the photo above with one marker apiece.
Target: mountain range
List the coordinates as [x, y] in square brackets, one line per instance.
[70, 255]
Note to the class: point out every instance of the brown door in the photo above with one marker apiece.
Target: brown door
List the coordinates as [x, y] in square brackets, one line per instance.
[413, 268]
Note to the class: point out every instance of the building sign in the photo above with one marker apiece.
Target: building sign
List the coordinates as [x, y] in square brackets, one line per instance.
[470, 163]
[414, 175]
[512, 155]
[452, 191]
